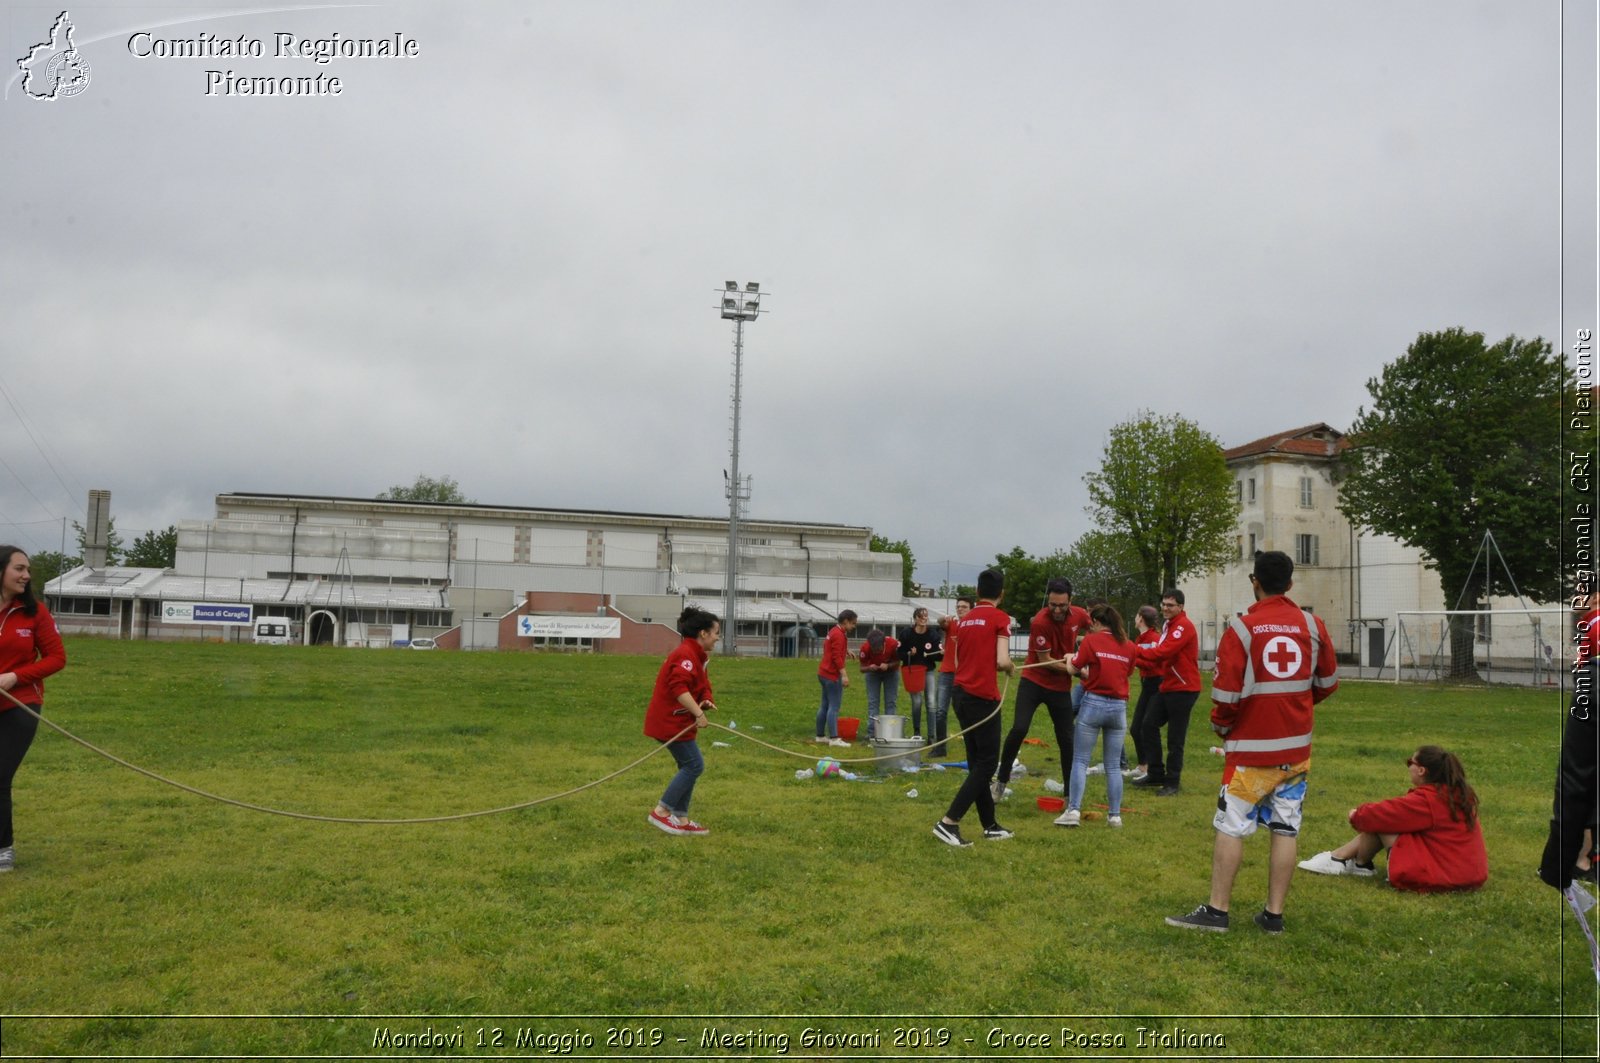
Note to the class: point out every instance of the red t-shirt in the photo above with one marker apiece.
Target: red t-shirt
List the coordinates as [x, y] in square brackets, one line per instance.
[1058, 641]
[1108, 662]
[947, 663]
[890, 655]
[684, 670]
[975, 637]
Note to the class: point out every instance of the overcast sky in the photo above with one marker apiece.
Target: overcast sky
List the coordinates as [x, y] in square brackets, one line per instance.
[990, 232]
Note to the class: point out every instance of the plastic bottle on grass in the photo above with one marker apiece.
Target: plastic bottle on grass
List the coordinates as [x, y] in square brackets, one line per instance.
[1054, 786]
[804, 773]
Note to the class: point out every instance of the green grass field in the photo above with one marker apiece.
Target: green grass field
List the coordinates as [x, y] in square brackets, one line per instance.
[142, 920]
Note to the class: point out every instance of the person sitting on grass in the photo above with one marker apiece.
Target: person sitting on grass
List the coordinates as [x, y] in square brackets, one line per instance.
[1432, 833]
[677, 711]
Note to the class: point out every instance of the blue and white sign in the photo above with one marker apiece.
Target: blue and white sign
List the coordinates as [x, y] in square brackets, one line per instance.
[569, 627]
[205, 613]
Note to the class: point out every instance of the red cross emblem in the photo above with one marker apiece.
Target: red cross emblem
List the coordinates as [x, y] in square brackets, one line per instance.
[1281, 657]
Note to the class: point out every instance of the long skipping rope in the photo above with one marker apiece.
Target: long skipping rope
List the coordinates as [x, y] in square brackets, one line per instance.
[333, 819]
[414, 820]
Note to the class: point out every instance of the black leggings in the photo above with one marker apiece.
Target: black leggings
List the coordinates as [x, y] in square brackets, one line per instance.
[1030, 696]
[1148, 688]
[1577, 803]
[983, 753]
[17, 729]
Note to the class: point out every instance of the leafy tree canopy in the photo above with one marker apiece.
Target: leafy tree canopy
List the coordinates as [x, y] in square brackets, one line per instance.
[1462, 438]
[427, 489]
[1164, 488]
[881, 545]
[46, 565]
[154, 549]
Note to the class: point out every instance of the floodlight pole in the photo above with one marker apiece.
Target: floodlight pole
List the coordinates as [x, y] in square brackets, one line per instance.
[738, 306]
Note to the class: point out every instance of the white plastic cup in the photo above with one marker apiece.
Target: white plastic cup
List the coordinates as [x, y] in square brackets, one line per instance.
[804, 773]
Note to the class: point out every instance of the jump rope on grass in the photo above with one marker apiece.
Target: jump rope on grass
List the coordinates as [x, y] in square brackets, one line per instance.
[412, 820]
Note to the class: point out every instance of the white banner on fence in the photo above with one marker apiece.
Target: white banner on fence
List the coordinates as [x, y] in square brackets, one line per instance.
[569, 627]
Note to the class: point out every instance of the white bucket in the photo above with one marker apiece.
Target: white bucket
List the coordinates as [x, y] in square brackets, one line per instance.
[890, 728]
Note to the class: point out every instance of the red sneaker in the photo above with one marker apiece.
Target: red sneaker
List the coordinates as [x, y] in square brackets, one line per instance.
[688, 826]
[664, 822]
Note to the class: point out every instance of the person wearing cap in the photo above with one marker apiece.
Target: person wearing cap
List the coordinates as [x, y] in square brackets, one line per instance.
[1275, 662]
[880, 671]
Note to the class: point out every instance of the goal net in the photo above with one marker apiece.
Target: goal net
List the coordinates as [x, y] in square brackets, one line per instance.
[1517, 645]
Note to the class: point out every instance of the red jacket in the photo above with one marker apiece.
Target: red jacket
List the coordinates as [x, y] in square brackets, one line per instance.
[31, 647]
[835, 651]
[1273, 664]
[1176, 653]
[1148, 669]
[1433, 852]
[684, 671]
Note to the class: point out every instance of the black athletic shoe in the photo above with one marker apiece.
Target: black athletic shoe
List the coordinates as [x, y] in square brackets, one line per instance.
[1170, 790]
[1149, 780]
[996, 833]
[1203, 917]
[1272, 924]
[950, 834]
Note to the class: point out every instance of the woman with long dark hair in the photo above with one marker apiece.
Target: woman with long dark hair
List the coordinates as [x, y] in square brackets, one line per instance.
[1104, 659]
[1432, 833]
[30, 650]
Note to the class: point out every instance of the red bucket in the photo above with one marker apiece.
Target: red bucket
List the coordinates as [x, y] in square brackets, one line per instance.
[848, 726]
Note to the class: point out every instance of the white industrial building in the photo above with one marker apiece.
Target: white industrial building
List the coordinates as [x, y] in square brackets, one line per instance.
[364, 571]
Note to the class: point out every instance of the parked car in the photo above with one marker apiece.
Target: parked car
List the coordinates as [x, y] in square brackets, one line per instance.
[423, 644]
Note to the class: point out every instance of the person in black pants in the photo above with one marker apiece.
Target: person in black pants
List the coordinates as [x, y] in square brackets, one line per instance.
[1576, 814]
[1177, 654]
[982, 643]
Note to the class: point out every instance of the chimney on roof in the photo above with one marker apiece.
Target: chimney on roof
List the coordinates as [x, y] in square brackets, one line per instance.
[97, 530]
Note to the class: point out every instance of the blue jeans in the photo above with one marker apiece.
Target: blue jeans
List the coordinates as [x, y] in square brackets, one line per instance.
[691, 762]
[1099, 713]
[888, 685]
[942, 687]
[828, 714]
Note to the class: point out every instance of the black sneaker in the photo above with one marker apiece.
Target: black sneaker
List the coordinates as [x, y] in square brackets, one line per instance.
[1149, 780]
[1204, 917]
[1170, 790]
[1272, 924]
[996, 833]
[950, 834]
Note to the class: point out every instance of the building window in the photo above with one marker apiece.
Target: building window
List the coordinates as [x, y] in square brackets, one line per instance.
[1238, 545]
[1238, 490]
[1305, 492]
[1251, 491]
[1253, 546]
[1305, 549]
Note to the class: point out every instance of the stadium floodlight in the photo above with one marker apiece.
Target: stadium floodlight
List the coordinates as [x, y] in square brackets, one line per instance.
[737, 307]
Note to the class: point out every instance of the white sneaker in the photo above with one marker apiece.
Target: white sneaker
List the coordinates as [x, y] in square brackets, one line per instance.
[841, 743]
[1113, 821]
[1096, 769]
[1325, 864]
[821, 740]
[1070, 818]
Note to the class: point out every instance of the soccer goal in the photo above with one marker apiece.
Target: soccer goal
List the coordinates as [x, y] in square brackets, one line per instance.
[1513, 644]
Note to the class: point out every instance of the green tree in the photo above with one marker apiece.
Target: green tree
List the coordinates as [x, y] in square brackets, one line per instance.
[880, 545]
[1464, 438]
[427, 489]
[1164, 487]
[113, 542]
[1106, 565]
[154, 549]
[46, 565]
